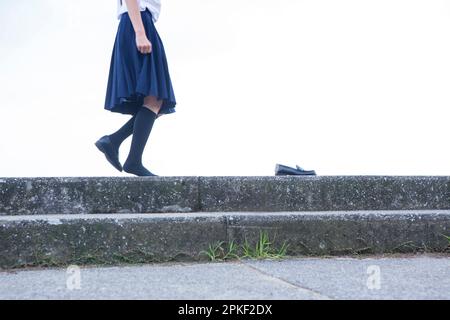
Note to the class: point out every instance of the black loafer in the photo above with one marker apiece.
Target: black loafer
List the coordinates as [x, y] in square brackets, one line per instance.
[105, 145]
[282, 170]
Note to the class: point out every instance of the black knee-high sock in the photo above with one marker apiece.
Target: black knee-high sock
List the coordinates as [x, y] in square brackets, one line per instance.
[143, 125]
[124, 132]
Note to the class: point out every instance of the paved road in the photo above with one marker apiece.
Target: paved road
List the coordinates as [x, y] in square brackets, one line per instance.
[414, 277]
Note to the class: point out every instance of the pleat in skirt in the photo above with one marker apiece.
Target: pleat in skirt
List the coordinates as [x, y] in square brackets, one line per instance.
[133, 75]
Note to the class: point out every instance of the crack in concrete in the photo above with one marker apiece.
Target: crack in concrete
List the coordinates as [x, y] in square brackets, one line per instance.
[314, 293]
[199, 196]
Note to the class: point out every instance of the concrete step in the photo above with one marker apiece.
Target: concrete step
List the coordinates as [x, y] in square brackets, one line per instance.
[53, 240]
[86, 195]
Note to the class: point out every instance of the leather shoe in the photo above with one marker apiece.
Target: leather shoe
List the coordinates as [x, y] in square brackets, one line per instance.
[282, 170]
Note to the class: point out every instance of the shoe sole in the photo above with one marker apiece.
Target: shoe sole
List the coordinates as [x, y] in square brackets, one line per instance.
[296, 174]
[100, 147]
[154, 175]
[134, 173]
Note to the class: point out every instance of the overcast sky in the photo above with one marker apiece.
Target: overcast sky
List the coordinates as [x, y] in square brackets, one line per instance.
[348, 87]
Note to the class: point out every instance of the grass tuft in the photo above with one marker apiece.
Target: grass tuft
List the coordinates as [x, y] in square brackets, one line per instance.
[263, 249]
[214, 251]
[448, 238]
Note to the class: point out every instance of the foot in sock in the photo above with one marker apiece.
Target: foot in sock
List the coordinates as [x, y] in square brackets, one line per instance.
[142, 128]
[137, 169]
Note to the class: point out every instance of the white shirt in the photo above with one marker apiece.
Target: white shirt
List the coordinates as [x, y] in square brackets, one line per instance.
[153, 5]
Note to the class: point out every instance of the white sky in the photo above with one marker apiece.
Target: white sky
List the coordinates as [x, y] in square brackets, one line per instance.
[348, 87]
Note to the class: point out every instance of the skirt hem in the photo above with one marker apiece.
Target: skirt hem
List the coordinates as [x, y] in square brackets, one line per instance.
[130, 104]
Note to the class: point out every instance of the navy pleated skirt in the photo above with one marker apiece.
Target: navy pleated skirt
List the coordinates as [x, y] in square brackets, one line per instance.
[133, 75]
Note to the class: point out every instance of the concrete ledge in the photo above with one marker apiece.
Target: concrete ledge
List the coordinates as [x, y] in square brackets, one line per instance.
[105, 239]
[53, 240]
[86, 195]
[77, 195]
[324, 193]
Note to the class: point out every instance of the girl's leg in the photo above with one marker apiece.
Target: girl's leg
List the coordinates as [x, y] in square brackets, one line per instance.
[127, 129]
[142, 128]
[124, 132]
[153, 104]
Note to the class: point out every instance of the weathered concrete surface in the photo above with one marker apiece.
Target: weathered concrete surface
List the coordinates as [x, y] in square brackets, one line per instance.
[348, 232]
[139, 238]
[324, 193]
[105, 239]
[76, 195]
[417, 277]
